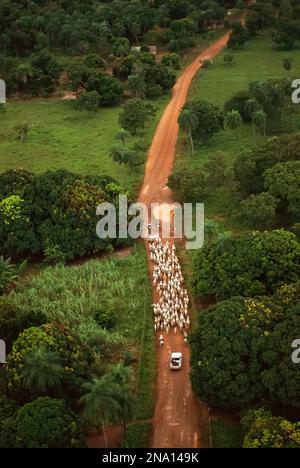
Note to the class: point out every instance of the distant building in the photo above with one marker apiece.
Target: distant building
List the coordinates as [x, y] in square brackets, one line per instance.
[153, 50]
[2, 92]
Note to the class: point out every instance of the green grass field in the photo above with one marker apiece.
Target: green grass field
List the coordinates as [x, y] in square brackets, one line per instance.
[62, 137]
[258, 60]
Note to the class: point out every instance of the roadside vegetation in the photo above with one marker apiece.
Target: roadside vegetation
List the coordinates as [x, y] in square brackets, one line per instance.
[76, 337]
[239, 154]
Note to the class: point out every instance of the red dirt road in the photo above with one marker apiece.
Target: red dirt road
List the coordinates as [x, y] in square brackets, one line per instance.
[180, 419]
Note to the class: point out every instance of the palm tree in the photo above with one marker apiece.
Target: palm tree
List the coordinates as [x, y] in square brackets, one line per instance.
[260, 120]
[234, 121]
[251, 107]
[23, 73]
[212, 230]
[43, 370]
[121, 136]
[188, 121]
[123, 377]
[101, 402]
[7, 273]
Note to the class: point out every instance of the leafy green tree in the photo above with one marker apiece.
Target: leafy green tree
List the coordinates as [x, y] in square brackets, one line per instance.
[13, 321]
[239, 36]
[121, 47]
[189, 185]
[281, 376]
[267, 431]
[250, 167]
[226, 367]
[210, 119]
[88, 101]
[109, 89]
[188, 122]
[286, 33]
[57, 341]
[47, 423]
[258, 211]
[171, 60]
[136, 82]
[248, 265]
[283, 182]
[135, 115]
[42, 370]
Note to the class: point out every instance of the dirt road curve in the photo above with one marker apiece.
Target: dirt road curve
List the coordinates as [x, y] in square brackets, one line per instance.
[179, 418]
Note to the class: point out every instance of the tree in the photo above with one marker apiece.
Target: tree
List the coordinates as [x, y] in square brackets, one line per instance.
[248, 265]
[210, 119]
[239, 36]
[250, 166]
[62, 348]
[7, 274]
[286, 33]
[226, 367]
[42, 370]
[234, 121]
[101, 402]
[171, 60]
[136, 82]
[88, 101]
[260, 120]
[267, 431]
[123, 377]
[128, 157]
[134, 115]
[283, 182]
[258, 211]
[47, 423]
[189, 184]
[109, 89]
[252, 107]
[121, 47]
[281, 376]
[188, 122]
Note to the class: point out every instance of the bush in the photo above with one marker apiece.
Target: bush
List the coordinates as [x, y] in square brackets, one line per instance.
[138, 435]
[46, 423]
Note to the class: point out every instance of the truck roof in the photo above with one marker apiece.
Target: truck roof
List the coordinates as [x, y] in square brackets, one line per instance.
[176, 355]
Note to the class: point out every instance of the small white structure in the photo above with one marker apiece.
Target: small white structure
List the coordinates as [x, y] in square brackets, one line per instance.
[2, 352]
[2, 92]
